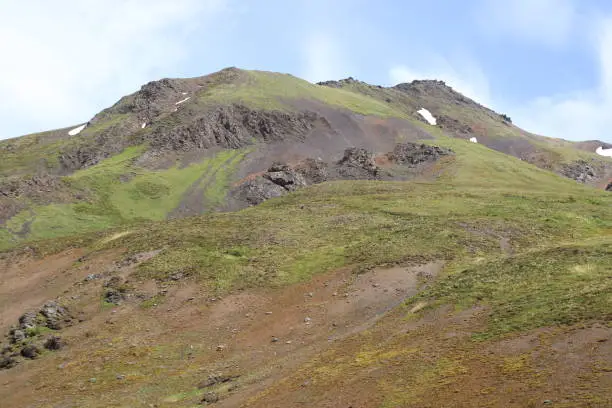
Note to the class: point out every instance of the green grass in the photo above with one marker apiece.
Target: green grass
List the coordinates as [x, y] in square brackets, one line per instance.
[267, 90]
[482, 196]
[561, 285]
[147, 195]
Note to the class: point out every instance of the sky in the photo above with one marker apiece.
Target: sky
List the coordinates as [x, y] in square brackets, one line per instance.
[545, 63]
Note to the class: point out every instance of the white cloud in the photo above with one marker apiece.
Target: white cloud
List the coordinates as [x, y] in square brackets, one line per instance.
[64, 60]
[581, 115]
[545, 21]
[323, 57]
[464, 76]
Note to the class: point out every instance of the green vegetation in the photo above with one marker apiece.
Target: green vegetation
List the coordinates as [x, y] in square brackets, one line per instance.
[554, 286]
[143, 195]
[267, 90]
[481, 198]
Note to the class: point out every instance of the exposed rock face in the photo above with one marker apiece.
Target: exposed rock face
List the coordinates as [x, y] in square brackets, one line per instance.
[285, 176]
[30, 186]
[314, 171]
[580, 171]
[609, 187]
[357, 163]
[411, 154]
[233, 127]
[277, 181]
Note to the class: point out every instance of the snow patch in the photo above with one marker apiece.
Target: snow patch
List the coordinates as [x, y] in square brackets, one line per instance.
[473, 140]
[77, 130]
[144, 125]
[184, 100]
[427, 116]
[604, 152]
[184, 93]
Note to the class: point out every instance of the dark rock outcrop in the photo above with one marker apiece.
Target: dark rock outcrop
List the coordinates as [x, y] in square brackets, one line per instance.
[580, 170]
[56, 316]
[28, 186]
[284, 176]
[357, 164]
[277, 181]
[232, 127]
[411, 154]
[609, 187]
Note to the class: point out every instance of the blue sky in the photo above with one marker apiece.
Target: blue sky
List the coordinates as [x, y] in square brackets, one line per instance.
[546, 63]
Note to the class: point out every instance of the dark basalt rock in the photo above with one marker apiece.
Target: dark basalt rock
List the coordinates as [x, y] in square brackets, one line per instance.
[232, 127]
[411, 154]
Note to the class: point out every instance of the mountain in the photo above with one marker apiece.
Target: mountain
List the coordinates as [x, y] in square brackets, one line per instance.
[178, 146]
[248, 238]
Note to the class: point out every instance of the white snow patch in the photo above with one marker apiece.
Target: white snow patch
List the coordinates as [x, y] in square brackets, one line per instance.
[144, 125]
[473, 140]
[77, 130]
[184, 100]
[604, 152]
[184, 93]
[427, 116]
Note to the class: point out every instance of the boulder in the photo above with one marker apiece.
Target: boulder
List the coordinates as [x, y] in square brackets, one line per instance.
[54, 343]
[56, 315]
[28, 320]
[17, 336]
[7, 362]
[30, 351]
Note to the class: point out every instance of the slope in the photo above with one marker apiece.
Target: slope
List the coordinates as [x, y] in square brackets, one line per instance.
[503, 298]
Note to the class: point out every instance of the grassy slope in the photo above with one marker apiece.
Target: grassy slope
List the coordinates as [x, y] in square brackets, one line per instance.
[146, 195]
[152, 195]
[560, 231]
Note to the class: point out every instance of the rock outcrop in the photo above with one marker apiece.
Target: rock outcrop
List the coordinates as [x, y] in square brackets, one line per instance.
[580, 170]
[232, 127]
[355, 164]
[411, 154]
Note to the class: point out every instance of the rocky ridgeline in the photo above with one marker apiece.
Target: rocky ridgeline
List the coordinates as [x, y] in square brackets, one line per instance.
[355, 164]
[27, 339]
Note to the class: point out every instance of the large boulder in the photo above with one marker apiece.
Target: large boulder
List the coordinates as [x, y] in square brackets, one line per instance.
[56, 316]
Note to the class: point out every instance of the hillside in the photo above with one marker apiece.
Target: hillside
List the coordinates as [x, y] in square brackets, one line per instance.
[266, 242]
[178, 147]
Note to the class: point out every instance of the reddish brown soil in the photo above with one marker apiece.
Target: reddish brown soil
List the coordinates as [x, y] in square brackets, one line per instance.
[338, 340]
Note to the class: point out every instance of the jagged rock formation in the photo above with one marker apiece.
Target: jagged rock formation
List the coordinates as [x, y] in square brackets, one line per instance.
[233, 127]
